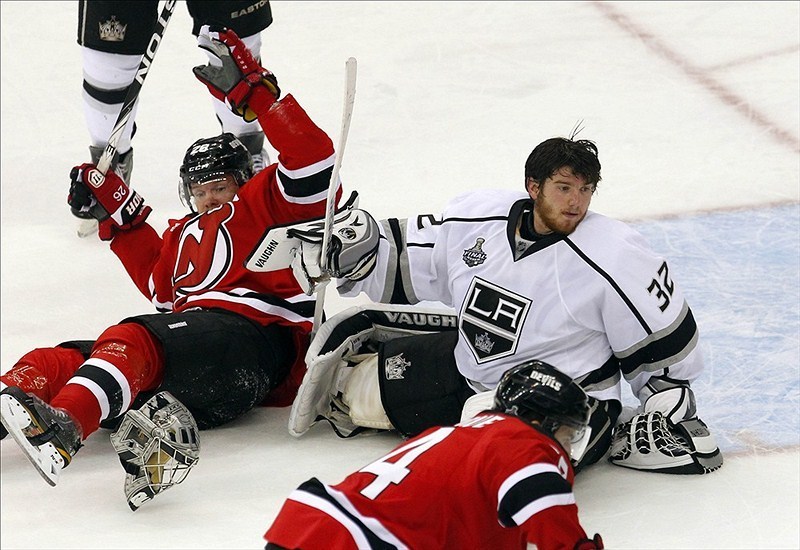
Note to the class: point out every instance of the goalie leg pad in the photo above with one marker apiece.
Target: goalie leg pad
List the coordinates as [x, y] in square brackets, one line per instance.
[420, 383]
[362, 395]
[335, 349]
[157, 445]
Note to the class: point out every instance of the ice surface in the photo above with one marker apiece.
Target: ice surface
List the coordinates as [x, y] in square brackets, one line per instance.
[695, 107]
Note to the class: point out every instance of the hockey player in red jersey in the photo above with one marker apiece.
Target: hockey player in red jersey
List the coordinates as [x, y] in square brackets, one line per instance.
[501, 480]
[225, 339]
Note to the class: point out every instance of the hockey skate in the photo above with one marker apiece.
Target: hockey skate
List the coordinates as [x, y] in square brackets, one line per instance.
[48, 436]
[123, 166]
[255, 144]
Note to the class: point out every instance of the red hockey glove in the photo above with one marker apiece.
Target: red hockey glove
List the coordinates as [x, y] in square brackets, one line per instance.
[595, 544]
[233, 75]
[107, 199]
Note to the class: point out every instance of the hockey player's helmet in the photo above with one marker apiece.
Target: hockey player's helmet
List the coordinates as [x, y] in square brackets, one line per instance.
[210, 158]
[535, 390]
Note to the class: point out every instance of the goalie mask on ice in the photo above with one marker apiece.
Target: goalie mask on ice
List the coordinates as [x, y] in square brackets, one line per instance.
[157, 444]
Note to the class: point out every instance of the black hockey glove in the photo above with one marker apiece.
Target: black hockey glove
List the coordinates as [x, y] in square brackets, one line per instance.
[233, 75]
[596, 543]
[105, 198]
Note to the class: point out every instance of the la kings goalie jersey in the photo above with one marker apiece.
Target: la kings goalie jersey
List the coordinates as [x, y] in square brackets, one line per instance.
[596, 303]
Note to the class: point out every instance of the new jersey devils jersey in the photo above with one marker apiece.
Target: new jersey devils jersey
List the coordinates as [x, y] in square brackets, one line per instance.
[199, 260]
[595, 302]
[494, 482]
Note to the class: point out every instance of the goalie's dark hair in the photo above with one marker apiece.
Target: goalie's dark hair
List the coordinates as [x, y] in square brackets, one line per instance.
[581, 156]
[537, 391]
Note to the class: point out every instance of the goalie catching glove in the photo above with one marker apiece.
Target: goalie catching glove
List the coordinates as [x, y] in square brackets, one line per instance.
[667, 437]
[233, 75]
[352, 249]
[105, 198]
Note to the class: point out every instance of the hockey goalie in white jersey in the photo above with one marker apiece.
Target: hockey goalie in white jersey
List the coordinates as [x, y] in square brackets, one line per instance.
[530, 275]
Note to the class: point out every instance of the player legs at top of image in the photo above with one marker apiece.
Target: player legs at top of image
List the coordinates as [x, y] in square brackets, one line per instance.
[114, 36]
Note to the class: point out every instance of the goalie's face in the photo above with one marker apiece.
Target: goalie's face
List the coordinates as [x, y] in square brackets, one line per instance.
[212, 193]
[560, 202]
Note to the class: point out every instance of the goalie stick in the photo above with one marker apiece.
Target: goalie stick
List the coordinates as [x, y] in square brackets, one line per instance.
[87, 227]
[330, 203]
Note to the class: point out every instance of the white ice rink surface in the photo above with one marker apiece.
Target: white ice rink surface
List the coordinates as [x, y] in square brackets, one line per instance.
[695, 107]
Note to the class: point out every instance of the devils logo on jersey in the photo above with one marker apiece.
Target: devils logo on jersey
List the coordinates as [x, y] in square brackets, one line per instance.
[491, 320]
[205, 253]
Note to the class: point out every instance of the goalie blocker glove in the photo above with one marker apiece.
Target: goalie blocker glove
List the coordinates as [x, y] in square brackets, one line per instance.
[233, 75]
[107, 199]
[352, 250]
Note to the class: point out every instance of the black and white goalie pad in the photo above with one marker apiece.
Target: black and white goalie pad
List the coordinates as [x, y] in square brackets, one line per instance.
[667, 436]
[158, 444]
[344, 341]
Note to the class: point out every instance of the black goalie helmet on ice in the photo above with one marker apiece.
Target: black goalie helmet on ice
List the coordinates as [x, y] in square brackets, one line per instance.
[535, 390]
[210, 158]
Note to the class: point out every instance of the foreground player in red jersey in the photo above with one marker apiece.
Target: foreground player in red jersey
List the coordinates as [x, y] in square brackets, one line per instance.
[225, 339]
[501, 480]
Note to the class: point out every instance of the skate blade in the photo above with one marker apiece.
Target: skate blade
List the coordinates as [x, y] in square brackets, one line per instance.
[45, 458]
[86, 228]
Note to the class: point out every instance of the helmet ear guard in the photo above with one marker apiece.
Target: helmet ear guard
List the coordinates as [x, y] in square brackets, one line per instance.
[158, 444]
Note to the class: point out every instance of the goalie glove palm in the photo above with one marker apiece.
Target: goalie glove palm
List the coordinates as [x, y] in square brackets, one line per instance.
[233, 75]
[651, 442]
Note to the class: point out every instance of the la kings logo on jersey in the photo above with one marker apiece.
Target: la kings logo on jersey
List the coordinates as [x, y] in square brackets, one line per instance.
[492, 319]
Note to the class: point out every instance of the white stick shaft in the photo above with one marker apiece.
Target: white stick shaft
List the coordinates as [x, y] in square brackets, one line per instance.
[330, 204]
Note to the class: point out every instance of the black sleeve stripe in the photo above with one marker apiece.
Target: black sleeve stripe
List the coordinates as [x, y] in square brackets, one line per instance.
[665, 349]
[529, 490]
[398, 246]
[613, 284]
[306, 186]
[602, 378]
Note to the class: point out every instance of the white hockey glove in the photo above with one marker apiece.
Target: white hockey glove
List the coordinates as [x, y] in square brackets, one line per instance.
[157, 445]
[352, 251]
[667, 437]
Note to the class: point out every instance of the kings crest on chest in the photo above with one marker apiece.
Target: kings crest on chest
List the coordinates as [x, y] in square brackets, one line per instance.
[491, 320]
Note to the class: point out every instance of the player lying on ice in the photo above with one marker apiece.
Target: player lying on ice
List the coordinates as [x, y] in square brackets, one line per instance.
[501, 480]
[225, 339]
[530, 275]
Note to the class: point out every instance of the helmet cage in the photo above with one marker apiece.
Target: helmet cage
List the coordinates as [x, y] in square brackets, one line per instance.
[157, 444]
